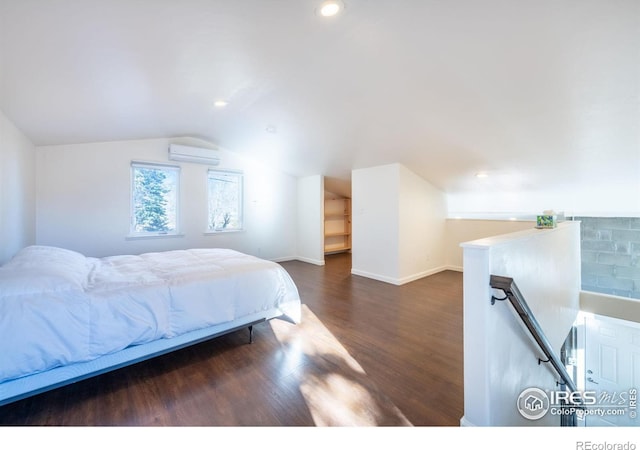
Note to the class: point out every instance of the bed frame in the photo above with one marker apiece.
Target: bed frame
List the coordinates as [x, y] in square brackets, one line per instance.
[30, 385]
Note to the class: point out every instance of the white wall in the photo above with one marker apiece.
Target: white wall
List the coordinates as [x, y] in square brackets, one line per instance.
[613, 198]
[397, 225]
[17, 190]
[500, 359]
[83, 201]
[463, 230]
[375, 226]
[422, 213]
[310, 243]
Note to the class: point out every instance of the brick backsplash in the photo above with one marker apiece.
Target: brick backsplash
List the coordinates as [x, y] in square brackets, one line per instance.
[611, 255]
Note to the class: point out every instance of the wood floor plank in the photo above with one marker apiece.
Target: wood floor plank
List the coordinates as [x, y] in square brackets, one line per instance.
[366, 353]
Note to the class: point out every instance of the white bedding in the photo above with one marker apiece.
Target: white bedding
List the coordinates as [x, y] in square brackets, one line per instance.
[58, 307]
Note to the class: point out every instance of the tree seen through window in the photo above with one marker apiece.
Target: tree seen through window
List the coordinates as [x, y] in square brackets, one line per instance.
[154, 199]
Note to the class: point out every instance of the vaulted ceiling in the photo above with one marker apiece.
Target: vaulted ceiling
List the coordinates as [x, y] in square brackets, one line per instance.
[533, 92]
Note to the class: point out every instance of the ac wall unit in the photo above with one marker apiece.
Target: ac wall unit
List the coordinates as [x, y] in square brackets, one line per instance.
[194, 154]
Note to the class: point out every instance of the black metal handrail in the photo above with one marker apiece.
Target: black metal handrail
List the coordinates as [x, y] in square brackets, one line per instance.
[515, 297]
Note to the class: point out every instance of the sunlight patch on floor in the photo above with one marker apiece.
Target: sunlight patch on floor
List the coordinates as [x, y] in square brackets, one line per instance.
[335, 387]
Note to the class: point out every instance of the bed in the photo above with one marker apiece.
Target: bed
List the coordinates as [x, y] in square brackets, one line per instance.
[65, 317]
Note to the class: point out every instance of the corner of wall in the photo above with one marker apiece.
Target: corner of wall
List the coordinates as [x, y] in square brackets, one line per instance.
[17, 190]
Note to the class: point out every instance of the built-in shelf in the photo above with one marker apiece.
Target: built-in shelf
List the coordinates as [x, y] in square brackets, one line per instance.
[337, 225]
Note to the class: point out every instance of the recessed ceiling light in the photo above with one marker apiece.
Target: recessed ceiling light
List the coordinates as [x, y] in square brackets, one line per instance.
[330, 8]
[220, 103]
[482, 175]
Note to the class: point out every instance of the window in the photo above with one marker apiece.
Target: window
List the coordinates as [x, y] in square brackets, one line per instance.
[225, 201]
[154, 199]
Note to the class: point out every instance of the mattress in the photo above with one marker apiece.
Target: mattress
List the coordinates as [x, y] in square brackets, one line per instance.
[58, 307]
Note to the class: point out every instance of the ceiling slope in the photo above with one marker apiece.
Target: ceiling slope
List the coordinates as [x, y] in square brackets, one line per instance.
[543, 93]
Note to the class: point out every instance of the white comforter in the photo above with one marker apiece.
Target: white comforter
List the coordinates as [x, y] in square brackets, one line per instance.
[59, 307]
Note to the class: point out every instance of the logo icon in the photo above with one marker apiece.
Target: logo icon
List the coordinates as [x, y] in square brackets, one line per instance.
[533, 403]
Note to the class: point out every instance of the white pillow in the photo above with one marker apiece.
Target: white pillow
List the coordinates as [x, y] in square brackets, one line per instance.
[17, 282]
[46, 268]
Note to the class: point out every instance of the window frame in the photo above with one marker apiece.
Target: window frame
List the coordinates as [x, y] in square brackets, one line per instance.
[176, 169]
[226, 172]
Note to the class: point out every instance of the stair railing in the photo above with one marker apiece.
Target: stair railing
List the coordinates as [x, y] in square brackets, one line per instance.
[515, 297]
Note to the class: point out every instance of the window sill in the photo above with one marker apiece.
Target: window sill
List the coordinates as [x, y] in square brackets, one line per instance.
[134, 237]
[209, 233]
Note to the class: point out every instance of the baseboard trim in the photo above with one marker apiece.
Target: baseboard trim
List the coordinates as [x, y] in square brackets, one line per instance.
[374, 276]
[283, 259]
[317, 262]
[398, 281]
[423, 274]
[465, 423]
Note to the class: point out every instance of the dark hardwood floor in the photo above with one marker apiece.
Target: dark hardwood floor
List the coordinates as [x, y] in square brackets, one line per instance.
[366, 354]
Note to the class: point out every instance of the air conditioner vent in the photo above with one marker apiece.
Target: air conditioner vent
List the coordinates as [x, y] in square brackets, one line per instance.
[197, 155]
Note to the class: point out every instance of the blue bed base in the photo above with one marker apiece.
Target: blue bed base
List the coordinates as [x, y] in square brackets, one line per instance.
[27, 386]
